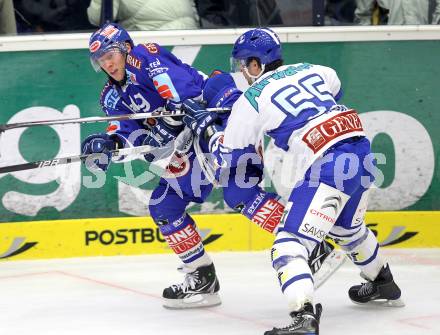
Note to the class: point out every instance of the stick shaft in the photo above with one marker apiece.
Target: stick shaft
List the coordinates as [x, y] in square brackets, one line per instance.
[92, 119]
[72, 159]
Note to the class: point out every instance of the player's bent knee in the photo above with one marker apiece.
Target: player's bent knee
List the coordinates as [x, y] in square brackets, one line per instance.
[363, 250]
[347, 238]
[232, 200]
[161, 216]
[165, 212]
[289, 259]
[288, 249]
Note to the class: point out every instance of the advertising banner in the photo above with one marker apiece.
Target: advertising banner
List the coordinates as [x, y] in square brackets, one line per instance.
[393, 85]
[220, 232]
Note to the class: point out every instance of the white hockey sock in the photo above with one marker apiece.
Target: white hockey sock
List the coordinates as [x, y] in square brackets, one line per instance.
[289, 259]
[363, 250]
[203, 260]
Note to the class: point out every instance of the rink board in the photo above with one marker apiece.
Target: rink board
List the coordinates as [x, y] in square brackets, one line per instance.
[220, 232]
[396, 97]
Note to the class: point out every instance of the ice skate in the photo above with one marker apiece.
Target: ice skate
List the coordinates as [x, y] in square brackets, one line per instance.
[324, 261]
[199, 289]
[304, 322]
[382, 291]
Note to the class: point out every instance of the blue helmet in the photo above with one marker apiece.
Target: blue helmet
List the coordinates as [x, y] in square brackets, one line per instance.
[261, 43]
[109, 36]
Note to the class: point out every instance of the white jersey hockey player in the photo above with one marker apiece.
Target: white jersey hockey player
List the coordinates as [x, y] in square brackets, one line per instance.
[296, 106]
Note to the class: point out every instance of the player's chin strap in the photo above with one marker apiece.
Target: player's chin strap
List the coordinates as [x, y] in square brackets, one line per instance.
[255, 77]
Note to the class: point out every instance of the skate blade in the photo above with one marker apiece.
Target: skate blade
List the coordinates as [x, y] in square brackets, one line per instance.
[332, 263]
[383, 303]
[195, 301]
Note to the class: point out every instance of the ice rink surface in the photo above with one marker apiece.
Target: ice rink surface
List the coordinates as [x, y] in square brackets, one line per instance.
[121, 295]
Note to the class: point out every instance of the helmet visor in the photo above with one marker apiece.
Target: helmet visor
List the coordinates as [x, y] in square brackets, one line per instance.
[98, 57]
[237, 64]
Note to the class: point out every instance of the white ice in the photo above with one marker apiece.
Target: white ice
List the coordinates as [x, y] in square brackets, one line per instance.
[121, 295]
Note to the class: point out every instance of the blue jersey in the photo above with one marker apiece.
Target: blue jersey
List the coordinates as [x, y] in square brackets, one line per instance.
[154, 75]
[221, 90]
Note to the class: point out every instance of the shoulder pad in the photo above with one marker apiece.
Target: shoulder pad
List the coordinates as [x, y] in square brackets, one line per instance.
[155, 59]
[151, 48]
[216, 72]
[142, 54]
[147, 49]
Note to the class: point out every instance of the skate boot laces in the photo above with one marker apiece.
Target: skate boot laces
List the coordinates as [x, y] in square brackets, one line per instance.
[190, 281]
[296, 321]
[301, 316]
[366, 288]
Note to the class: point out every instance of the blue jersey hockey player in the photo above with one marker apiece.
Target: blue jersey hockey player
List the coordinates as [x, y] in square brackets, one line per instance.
[143, 78]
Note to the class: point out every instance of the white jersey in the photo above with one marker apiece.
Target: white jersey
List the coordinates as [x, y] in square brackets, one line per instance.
[296, 106]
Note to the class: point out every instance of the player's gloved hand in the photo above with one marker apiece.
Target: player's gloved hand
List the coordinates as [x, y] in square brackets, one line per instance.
[172, 106]
[159, 150]
[161, 136]
[95, 144]
[197, 118]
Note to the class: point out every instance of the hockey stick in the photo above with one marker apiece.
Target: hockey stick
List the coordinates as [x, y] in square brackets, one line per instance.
[72, 159]
[92, 119]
